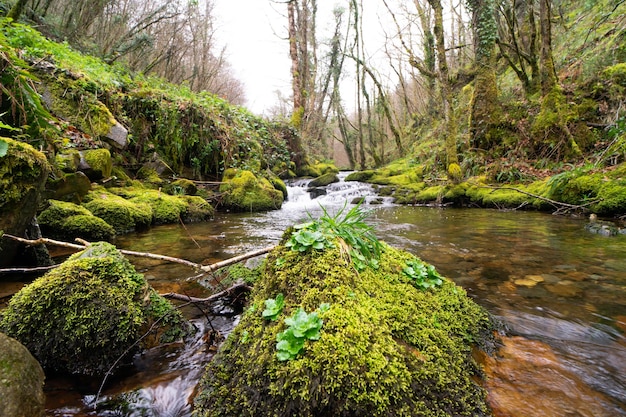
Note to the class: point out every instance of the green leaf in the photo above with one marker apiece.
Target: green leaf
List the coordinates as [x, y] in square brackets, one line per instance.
[273, 307]
[4, 147]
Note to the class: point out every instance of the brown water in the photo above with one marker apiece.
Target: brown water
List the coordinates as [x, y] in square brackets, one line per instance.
[560, 290]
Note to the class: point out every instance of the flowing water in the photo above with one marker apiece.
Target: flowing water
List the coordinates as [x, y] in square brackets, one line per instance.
[560, 290]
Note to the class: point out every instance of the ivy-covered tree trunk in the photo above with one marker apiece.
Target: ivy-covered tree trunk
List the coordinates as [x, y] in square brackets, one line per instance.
[485, 108]
[446, 89]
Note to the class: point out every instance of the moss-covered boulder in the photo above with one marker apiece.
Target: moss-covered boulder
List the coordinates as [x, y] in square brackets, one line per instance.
[67, 160]
[122, 214]
[165, 208]
[70, 187]
[198, 209]
[65, 220]
[324, 180]
[321, 339]
[23, 173]
[21, 381]
[97, 164]
[91, 310]
[181, 186]
[243, 191]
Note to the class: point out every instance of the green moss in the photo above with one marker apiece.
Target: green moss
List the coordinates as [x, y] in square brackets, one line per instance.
[99, 160]
[85, 314]
[181, 186]
[66, 220]
[434, 193]
[307, 170]
[149, 175]
[243, 191]
[198, 209]
[324, 180]
[386, 348]
[120, 213]
[68, 160]
[21, 172]
[165, 208]
[361, 176]
[279, 185]
[326, 168]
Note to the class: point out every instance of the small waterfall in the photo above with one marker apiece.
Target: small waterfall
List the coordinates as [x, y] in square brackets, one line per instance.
[302, 196]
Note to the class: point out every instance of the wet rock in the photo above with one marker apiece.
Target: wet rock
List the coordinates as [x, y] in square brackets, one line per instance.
[529, 280]
[324, 180]
[21, 381]
[565, 288]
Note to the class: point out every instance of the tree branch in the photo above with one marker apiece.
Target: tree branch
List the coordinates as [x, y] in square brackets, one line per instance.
[196, 266]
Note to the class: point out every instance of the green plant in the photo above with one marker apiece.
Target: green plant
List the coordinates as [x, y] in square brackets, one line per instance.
[273, 307]
[354, 236]
[303, 326]
[423, 276]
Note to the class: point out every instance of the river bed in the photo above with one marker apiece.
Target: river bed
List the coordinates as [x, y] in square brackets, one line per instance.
[560, 290]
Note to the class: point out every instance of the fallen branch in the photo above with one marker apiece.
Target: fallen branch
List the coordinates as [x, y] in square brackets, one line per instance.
[211, 298]
[557, 204]
[204, 268]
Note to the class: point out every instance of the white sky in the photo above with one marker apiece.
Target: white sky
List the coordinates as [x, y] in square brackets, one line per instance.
[252, 31]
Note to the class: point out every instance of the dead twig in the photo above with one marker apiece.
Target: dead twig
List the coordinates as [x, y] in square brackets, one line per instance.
[196, 266]
[209, 299]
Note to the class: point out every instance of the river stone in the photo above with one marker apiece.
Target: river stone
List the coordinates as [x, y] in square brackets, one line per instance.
[117, 136]
[529, 280]
[565, 289]
[21, 381]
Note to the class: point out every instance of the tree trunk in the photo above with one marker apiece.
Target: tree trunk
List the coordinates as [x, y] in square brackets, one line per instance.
[548, 72]
[485, 110]
[446, 88]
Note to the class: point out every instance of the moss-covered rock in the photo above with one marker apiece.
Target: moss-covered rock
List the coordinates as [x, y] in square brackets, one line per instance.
[361, 176]
[198, 209]
[385, 347]
[65, 220]
[165, 208]
[67, 160]
[23, 173]
[324, 180]
[91, 310]
[70, 187]
[21, 381]
[99, 164]
[243, 191]
[122, 214]
[279, 185]
[181, 186]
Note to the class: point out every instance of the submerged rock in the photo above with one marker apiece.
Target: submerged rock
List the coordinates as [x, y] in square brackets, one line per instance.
[21, 381]
[83, 316]
[327, 335]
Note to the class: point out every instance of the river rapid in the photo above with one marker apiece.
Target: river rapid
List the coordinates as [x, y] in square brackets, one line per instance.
[559, 289]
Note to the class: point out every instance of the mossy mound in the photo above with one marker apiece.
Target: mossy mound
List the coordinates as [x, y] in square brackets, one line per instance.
[84, 315]
[385, 347]
[243, 191]
[181, 186]
[64, 220]
[99, 163]
[165, 208]
[198, 209]
[123, 215]
[324, 180]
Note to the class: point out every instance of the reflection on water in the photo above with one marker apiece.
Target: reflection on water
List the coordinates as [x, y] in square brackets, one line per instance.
[560, 290]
